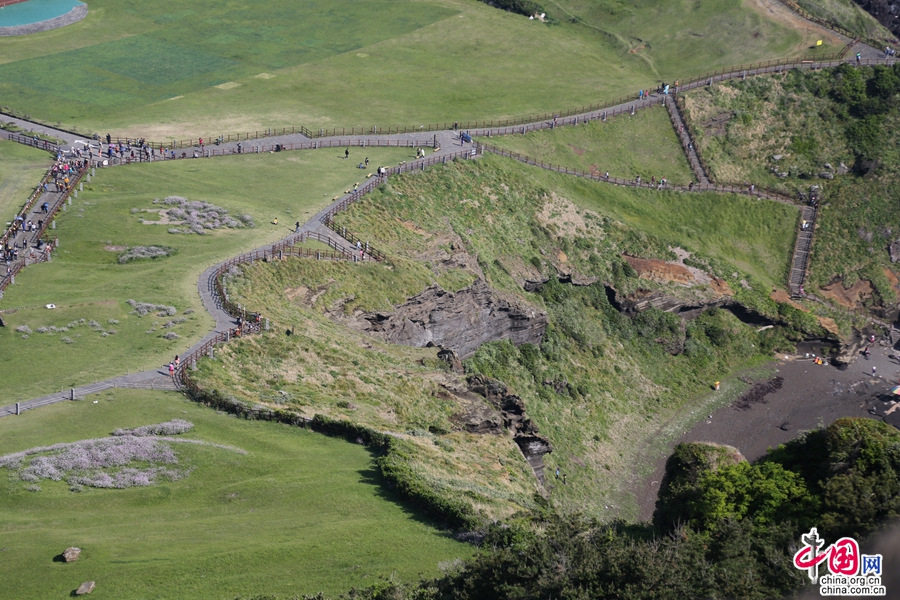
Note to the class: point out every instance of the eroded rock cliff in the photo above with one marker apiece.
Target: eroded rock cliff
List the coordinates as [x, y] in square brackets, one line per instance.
[460, 321]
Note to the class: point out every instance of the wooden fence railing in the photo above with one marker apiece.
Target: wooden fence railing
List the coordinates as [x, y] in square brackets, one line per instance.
[30, 140]
[728, 188]
[373, 182]
[7, 278]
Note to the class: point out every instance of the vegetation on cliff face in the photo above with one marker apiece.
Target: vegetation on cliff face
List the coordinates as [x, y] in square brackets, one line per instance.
[598, 386]
[834, 128]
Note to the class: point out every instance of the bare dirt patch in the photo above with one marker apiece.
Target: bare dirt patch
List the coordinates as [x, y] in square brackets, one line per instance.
[699, 276]
[114, 248]
[829, 325]
[854, 297]
[163, 217]
[563, 214]
[661, 271]
[892, 277]
[721, 287]
[779, 295]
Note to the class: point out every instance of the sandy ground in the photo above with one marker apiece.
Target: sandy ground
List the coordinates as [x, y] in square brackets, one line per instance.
[811, 396]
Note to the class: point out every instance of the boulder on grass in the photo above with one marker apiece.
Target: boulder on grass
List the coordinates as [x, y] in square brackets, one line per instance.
[71, 554]
[85, 588]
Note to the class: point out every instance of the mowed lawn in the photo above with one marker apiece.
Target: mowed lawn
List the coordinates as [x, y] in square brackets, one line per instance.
[21, 169]
[298, 514]
[644, 144]
[200, 68]
[86, 281]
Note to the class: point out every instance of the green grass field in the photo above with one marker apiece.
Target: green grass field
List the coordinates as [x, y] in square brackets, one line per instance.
[300, 513]
[187, 68]
[644, 144]
[86, 281]
[21, 169]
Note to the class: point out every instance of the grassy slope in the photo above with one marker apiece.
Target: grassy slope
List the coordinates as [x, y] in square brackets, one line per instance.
[325, 368]
[21, 168]
[803, 122]
[754, 236]
[644, 144]
[86, 281]
[848, 15]
[622, 385]
[301, 513]
[472, 61]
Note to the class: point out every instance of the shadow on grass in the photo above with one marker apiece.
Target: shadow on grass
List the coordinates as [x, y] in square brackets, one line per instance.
[385, 490]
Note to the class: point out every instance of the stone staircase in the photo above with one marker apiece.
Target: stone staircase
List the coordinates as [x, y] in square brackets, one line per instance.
[802, 250]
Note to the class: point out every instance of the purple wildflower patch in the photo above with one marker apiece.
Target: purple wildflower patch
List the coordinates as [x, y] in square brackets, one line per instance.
[131, 458]
[173, 427]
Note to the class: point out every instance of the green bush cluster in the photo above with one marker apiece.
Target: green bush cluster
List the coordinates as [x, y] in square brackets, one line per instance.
[521, 7]
[844, 480]
[724, 528]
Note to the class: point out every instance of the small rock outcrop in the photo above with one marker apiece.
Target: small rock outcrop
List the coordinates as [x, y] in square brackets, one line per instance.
[894, 249]
[71, 554]
[524, 431]
[850, 349]
[85, 588]
[460, 321]
[452, 359]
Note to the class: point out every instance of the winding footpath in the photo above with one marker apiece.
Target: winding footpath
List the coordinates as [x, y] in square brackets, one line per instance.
[445, 146]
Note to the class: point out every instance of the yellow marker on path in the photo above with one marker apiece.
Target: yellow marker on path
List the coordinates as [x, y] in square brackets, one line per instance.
[818, 42]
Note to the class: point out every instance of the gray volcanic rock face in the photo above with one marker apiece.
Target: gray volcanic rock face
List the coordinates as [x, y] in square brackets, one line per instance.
[461, 321]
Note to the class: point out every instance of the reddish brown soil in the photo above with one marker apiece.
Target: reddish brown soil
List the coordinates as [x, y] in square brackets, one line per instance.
[779, 295]
[660, 271]
[853, 297]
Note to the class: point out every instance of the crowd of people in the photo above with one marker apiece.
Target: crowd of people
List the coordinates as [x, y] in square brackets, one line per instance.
[22, 238]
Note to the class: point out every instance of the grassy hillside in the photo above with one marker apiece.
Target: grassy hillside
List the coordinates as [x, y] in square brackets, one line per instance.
[187, 68]
[88, 284]
[21, 168]
[847, 14]
[838, 116]
[297, 513]
[626, 146]
[601, 386]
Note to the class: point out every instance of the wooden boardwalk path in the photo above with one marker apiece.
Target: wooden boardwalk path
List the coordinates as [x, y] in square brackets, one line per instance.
[447, 145]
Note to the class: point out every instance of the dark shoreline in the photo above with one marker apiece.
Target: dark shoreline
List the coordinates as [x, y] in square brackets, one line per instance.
[810, 396]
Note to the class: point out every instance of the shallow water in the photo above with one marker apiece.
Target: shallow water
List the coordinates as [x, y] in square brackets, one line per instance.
[34, 11]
